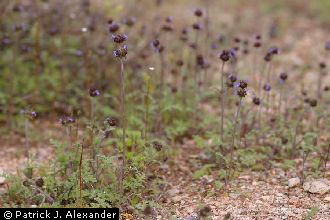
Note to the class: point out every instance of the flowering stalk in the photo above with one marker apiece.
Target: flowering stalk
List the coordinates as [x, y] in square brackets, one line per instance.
[225, 56]
[241, 93]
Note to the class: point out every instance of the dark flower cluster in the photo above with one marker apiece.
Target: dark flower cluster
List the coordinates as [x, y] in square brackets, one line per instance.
[313, 102]
[93, 92]
[270, 53]
[242, 88]
[32, 115]
[67, 120]
[198, 13]
[179, 62]
[226, 55]
[200, 60]
[158, 146]
[120, 52]
[257, 42]
[157, 46]
[111, 121]
[167, 27]
[119, 38]
[267, 87]
[323, 65]
[256, 100]
[113, 27]
[283, 76]
[231, 80]
[197, 26]
[183, 36]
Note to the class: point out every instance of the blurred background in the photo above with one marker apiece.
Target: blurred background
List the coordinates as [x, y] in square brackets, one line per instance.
[53, 51]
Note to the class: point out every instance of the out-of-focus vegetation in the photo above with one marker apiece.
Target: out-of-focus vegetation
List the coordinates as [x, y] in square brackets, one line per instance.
[218, 74]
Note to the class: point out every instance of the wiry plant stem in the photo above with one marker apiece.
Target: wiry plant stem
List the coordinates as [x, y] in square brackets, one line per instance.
[280, 101]
[162, 73]
[80, 172]
[146, 101]
[268, 92]
[222, 100]
[319, 85]
[261, 77]
[92, 129]
[123, 118]
[233, 142]
[27, 145]
[196, 65]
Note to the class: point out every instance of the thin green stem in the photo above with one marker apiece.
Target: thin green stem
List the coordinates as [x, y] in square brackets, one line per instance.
[222, 100]
[146, 111]
[123, 118]
[27, 145]
[233, 141]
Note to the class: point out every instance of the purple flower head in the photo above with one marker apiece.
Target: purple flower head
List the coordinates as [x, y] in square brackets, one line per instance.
[67, 120]
[79, 53]
[167, 27]
[156, 43]
[226, 55]
[214, 46]
[232, 78]
[257, 44]
[327, 46]
[256, 101]
[268, 57]
[197, 26]
[237, 40]
[284, 76]
[243, 84]
[267, 87]
[241, 92]
[313, 102]
[119, 38]
[273, 51]
[93, 92]
[198, 12]
[200, 60]
[33, 114]
[232, 52]
[113, 28]
[120, 52]
[111, 121]
[323, 65]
